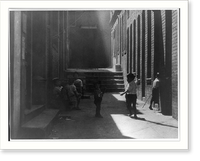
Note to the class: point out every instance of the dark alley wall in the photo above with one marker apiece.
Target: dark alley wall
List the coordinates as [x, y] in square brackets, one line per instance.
[38, 53]
[89, 39]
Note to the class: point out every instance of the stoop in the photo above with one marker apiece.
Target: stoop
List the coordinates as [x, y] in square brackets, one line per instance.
[40, 126]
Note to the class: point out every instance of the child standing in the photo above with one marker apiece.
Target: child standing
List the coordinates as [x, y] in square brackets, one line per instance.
[98, 95]
[155, 91]
[71, 94]
[57, 96]
[131, 95]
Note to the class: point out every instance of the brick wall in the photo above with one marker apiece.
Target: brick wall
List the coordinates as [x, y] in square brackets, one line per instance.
[174, 65]
[164, 31]
[152, 45]
[145, 33]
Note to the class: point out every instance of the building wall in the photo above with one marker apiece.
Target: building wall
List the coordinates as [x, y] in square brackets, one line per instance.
[151, 47]
[15, 72]
[38, 42]
[38, 53]
[175, 64]
[89, 39]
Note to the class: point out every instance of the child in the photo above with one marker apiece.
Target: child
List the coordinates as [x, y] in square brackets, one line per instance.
[57, 99]
[155, 91]
[131, 95]
[98, 95]
[71, 94]
[79, 87]
[78, 83]
[65, 96]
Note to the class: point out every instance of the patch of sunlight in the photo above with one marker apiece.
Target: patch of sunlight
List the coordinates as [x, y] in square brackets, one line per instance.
[118, 97]
[132, 128]
[106, 69]
[125, 124]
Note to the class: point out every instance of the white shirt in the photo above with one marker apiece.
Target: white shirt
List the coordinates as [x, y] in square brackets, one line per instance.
[131, 87]
[156, 83]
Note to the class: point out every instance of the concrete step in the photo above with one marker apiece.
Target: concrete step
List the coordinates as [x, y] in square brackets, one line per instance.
[112, 81]
[105, 78]
[33, 112]
[103, 74]
[107, 85]
[108, 90]
[40, 126]
[106, 81]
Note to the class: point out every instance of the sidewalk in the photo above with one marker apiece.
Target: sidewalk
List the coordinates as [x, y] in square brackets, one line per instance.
[82, 124]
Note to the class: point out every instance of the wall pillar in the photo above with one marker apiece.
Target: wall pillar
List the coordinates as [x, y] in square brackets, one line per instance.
[16, 73]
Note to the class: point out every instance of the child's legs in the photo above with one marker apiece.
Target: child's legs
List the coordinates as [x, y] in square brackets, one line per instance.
[134, 98]
[73, 102]
[98, 108]
[128, 103]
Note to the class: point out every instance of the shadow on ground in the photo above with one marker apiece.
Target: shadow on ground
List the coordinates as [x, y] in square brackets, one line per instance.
[115, 124]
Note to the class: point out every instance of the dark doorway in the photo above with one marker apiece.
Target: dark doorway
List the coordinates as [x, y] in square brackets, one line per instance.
[138, 47]
[162, 61]
[168, 102]
[134, 46]
[131, 47]
[128, 54]
[143, 54]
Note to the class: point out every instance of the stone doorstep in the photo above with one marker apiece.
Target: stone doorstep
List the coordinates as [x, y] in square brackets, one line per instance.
[33, 112]
[39, 126]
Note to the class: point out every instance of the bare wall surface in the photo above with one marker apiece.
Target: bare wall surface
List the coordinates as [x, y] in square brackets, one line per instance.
[89, 36]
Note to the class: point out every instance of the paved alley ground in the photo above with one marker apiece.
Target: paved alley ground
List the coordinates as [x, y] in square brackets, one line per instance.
[115, 124]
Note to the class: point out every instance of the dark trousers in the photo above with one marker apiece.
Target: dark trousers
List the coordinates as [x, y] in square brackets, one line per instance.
[98, 108]
[155, 96]
[131, 99]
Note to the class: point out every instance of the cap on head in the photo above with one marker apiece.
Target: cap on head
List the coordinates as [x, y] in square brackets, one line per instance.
[130, 76]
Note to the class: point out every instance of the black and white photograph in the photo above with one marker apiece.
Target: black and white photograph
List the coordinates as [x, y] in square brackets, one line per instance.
[94, 74]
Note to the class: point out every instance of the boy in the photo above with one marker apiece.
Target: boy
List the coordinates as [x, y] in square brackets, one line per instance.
[79, 87]
[70, 93]
[78, 83]
[57, 99]
[155, 91]
[98, 95]
[131, 95]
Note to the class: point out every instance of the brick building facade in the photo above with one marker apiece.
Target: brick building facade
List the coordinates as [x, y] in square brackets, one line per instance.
[146, 42]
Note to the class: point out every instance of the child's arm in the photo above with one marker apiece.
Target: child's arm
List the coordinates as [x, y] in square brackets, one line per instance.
[126, 90]
[123, 93]
[77, 94]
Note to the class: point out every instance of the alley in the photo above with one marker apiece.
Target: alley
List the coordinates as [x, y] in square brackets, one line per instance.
[115, 124]
[47, 45]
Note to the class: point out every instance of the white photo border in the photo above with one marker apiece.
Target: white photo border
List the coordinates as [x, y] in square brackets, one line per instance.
[181, 143]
